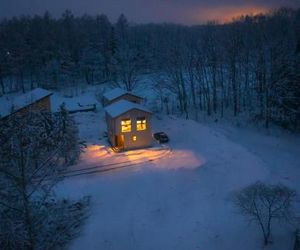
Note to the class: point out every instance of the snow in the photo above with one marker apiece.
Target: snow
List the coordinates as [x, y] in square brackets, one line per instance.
[182, 200]
[83, 97]
[115, 93]
[12, 103]
[122, 106]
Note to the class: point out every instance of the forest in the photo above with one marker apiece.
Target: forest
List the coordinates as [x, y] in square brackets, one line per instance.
[249, 67]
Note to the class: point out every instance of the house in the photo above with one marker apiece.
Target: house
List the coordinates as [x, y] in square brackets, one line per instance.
[118, 94]
[128, 125]
[37, 99]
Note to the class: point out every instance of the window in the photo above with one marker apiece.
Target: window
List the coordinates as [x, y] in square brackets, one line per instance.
[141, 123]
[134, 138]
[126, 125]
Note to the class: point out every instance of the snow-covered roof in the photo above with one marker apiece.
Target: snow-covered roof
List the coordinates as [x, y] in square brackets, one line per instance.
[118, 108]
[117, 92]
[11, 104]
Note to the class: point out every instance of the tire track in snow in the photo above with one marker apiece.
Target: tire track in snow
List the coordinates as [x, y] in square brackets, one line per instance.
[103, 168]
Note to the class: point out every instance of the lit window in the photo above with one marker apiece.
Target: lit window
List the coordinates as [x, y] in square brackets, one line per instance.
[126, 125]
[134, 138]
[141, 123]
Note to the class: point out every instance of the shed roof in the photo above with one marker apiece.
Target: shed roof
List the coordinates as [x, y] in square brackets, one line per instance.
[11, 104]
[117, 92]
[118, 108]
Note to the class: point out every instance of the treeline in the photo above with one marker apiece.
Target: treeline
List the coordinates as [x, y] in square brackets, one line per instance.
[249, 67]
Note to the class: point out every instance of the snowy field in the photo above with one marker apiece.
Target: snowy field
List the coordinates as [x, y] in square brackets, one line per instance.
[183, 200]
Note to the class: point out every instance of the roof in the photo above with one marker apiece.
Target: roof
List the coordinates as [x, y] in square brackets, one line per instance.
[118, 108]
[11, 104]
[117, 92]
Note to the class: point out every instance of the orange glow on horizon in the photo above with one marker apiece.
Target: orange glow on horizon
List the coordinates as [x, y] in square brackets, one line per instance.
[226, 14]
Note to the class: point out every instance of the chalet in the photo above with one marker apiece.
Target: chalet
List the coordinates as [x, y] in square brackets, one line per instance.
[128, 125]
[118, 94]
[37, 99]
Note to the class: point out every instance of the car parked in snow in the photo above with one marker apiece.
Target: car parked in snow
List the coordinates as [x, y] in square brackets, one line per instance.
[161, 137]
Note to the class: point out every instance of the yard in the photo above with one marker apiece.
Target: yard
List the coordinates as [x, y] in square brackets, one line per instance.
[183, 199]
[231, 68]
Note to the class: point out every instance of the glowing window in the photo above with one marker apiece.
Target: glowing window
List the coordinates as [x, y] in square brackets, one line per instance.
[141, 123]
[134, 138]
[126, 125]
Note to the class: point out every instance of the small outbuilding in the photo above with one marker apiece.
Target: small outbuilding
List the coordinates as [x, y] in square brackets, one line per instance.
[128, 125]
[118, 94]
[37, 99]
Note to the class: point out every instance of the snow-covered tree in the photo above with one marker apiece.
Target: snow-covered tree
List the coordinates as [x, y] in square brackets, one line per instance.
[247, 67]
[36, 147]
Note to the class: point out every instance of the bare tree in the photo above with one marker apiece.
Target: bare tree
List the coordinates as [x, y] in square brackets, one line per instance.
[128, 63]
[160, 86]
[33, 153]
[265, 203]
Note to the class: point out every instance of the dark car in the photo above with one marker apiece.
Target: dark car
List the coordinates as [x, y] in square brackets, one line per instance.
[161, 137]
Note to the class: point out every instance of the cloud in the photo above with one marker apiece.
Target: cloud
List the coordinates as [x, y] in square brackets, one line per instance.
[240, 3]
[179, 11]
[199, 11]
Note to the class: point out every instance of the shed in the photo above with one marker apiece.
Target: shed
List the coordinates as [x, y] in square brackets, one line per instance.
[35, 99]
[128, 125]
[118, 94]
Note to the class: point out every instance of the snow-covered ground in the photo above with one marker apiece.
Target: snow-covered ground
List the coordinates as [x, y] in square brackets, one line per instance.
[178, 196]
[183, 200]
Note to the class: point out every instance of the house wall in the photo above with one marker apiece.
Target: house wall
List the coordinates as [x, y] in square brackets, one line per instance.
[144, 137]
[110, 123]
[127, 97]
[42, 104]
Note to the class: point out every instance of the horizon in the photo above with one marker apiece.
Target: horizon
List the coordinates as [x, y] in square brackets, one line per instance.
[228, 18]
[191, 12]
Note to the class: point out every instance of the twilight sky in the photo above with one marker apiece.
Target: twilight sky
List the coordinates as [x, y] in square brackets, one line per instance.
[141, 11]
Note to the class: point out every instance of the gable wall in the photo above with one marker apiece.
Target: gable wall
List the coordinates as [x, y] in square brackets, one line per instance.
[144, 137]
[42, 104]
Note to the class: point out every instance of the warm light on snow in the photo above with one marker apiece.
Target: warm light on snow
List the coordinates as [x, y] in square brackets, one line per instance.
[160, 157]
[94, 149]
[103, 155]
[142, 155]
[95, 152]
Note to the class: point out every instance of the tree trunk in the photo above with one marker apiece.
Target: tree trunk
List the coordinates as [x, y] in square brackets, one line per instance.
[22, 82]
[87, 77]
[267, 109]
[2, 86]
[214, 88]
[27, 215]
[234, 88]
